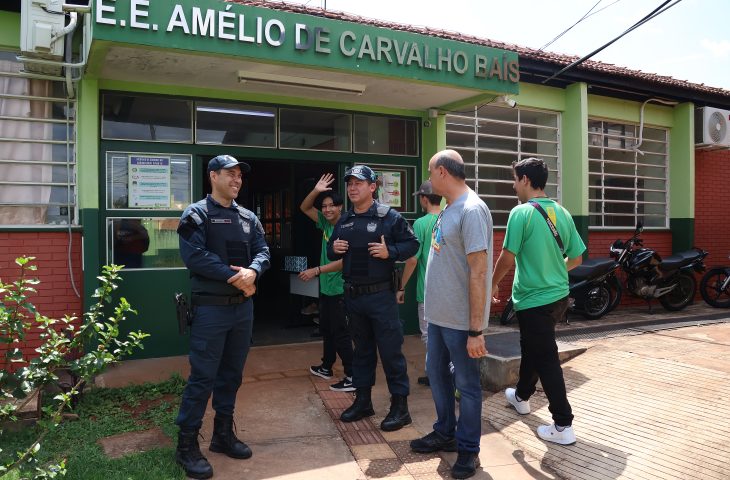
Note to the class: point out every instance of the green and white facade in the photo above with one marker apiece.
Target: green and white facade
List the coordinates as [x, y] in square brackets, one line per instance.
[298, 92]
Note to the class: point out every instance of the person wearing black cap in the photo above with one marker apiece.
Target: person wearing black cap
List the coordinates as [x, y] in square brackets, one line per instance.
[370, 238]
[431, 204]
[223, 246]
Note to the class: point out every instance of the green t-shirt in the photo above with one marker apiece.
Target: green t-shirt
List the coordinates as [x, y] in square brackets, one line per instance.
[423, 228]
[541, 276]
[329, 283]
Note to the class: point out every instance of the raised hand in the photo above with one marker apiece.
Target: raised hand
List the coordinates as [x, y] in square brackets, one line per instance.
[323, 185]
[379, 249]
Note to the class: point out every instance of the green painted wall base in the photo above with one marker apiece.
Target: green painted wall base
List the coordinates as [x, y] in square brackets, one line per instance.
[683, 233]
[581, 224]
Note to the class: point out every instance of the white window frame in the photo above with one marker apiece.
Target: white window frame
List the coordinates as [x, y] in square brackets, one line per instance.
[71, 204]
[467, 117]
[630, 141]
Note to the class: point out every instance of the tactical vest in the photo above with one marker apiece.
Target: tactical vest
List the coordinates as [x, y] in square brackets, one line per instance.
[229, 236]
[359, 267]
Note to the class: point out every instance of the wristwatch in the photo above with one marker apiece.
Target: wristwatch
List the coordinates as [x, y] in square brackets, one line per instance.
[475, 333]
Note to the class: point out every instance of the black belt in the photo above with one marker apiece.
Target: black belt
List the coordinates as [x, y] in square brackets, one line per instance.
[352, 289]
[208, 300]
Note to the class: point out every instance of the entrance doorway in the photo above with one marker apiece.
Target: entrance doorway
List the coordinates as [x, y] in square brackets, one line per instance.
[273, 191]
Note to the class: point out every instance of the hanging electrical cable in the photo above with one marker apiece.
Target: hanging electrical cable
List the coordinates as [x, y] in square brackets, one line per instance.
[654, 13]
[585, 15]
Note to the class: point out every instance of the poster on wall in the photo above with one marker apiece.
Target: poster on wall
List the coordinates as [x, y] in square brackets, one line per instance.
[149, 181]
[391, 188]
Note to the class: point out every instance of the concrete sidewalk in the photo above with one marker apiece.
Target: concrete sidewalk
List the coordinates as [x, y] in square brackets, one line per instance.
[647, 405]
[289, 418]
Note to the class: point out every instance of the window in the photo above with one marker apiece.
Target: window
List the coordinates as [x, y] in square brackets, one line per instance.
[143, 243]
[490, 138]
[627, 185]
[235, 124]
[146, 118]
[148, 180]
[37, 141]
[386, 135]
[315, 130]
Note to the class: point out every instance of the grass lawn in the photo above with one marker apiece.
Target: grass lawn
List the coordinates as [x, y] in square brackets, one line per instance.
[110, 411]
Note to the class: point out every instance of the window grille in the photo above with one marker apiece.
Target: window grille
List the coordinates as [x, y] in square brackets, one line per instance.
[627, 185]
[490, 138]
[37, 148]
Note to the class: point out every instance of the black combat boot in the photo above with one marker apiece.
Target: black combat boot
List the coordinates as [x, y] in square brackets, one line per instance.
[362, 407]
[398, 416]
[224, 439]
[189, 457]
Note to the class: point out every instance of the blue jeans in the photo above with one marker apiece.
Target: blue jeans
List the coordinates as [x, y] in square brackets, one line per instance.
[220, 338]
[444, 345]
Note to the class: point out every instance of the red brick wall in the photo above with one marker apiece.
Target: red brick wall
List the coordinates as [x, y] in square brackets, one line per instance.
[55, 297]
[712, 205]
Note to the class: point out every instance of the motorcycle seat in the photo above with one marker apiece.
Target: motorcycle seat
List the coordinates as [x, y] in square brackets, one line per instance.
[593, 267]
[678, 260]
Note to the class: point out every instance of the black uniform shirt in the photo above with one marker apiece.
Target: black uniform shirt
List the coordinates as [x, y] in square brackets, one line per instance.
[359, 229]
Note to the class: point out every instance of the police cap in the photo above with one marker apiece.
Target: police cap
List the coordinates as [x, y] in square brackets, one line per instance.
[363, 172]
[227, 161]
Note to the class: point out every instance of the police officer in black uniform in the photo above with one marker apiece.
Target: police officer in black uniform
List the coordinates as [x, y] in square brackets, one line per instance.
[370, 238]
[223, 246]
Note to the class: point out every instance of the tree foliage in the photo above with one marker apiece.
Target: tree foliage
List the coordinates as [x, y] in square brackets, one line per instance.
[82, 348]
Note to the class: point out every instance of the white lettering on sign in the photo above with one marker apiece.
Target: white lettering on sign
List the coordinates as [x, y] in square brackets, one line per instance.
[101, 8]
[227, 24]
[136, 13]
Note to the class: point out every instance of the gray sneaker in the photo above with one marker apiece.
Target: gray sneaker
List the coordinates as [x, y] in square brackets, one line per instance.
[344, 385]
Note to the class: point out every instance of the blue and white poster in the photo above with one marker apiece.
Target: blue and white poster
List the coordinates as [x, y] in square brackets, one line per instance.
[149, 182]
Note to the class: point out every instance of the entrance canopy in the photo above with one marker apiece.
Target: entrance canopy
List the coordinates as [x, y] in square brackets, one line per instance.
[243, 48]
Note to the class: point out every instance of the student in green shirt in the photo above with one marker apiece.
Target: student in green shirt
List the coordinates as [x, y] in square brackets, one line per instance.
[539, 292]
[324, 207]
[423, 227]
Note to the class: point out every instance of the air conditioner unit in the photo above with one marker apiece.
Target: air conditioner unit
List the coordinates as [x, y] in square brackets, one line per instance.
[42, 23]
[712, 128]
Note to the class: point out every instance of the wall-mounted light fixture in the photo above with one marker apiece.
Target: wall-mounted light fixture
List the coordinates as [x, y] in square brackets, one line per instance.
[505, 100]
[300, 82]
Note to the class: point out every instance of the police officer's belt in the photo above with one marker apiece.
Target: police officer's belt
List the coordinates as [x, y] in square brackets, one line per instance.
[199, 299]
[364, 289]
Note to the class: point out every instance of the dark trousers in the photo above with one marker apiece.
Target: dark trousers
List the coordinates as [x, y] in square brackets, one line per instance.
[220, 337]
[376, 328]
[540, 358]
[335, 332]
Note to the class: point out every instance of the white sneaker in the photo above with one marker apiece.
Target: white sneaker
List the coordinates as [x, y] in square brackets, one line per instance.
[522, 406]
[550, 434]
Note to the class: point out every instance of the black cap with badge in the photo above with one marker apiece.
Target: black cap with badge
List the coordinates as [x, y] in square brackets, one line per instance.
[227, 161]
[363, 172]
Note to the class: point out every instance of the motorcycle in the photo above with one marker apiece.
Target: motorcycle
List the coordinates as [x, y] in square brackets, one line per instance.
[715, 287]
[670, 280]
[594, 290]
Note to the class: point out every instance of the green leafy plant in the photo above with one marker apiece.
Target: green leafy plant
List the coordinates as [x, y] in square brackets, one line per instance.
[83, 349]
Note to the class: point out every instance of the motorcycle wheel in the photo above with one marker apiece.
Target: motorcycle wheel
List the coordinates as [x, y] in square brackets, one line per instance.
[597, 302]
[683, 293]
[614, 285]
[508, 314]
[710, 288]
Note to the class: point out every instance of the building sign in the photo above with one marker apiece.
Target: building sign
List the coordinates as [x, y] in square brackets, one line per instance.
[149, 182]
[276, 36]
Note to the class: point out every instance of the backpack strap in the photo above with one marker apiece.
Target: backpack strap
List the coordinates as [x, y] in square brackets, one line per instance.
[382, 210]
[550, 223]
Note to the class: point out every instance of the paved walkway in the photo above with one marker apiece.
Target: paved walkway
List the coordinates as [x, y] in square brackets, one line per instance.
[648, 406]
[290, 420]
